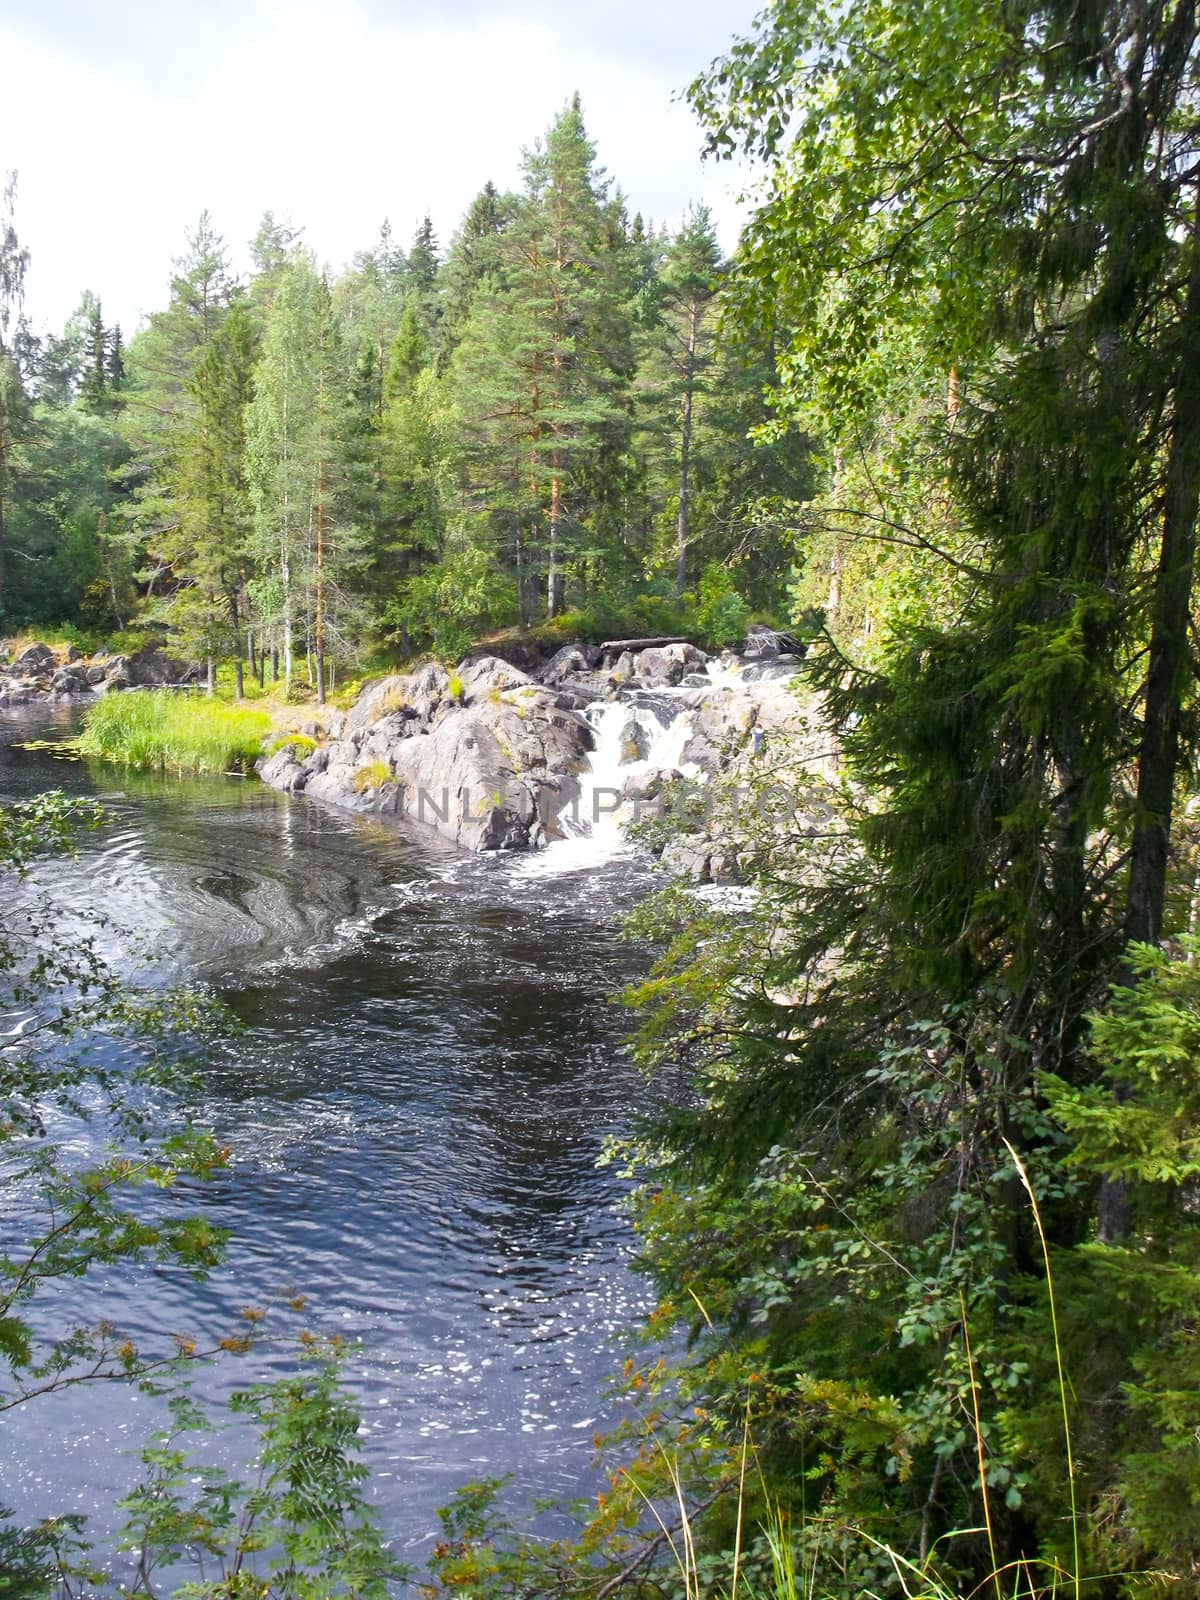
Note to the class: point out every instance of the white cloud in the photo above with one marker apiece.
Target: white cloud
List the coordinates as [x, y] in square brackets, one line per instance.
[319, 112]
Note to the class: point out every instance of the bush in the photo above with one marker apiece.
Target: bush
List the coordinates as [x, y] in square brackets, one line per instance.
[721, 614]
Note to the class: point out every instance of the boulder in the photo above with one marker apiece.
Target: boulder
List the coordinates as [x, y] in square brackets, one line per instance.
[634, 744]
[152, 668]
[490, 769]
[564, 663]
[65, 681]
[669, 664]
[641, 786]
[34, 659]
[282, 770]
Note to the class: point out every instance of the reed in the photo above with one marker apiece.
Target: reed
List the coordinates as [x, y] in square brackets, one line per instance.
[165, 731]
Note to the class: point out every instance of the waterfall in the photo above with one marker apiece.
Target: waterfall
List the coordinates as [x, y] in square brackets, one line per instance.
[595, 827]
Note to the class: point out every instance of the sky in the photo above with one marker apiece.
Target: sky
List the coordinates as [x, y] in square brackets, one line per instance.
[125, 121]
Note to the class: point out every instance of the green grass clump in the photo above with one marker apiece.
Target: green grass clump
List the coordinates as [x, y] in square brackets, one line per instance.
[299, 742]
[373, 776]
[165, 731]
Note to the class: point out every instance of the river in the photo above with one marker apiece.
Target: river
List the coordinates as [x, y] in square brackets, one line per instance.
[428, 1073]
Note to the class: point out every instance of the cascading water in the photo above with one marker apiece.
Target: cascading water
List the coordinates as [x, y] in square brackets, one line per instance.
[595, 826]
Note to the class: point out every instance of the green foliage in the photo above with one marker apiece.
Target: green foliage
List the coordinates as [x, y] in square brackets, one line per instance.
[297, 1530]
[159, 730]
[448, 604]
[299, 742]
[721, 613]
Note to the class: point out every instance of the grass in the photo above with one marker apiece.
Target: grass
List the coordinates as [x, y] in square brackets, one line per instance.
[164, 731]
[373, 776]
[299, 742]
[1037, 1578]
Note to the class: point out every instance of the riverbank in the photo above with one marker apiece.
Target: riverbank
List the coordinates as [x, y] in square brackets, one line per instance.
[495, 757]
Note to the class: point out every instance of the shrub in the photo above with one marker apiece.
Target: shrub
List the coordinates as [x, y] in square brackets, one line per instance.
[721, 614]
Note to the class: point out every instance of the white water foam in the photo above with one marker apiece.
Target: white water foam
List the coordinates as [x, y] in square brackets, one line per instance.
[595, 827]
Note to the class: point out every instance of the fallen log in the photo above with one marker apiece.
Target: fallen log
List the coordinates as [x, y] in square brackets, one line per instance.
[619, 645]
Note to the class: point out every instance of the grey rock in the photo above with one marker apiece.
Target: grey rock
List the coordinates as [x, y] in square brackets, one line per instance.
[34, 658]
[152, 668]
[283, 771]
[634, 744]
[564, 663]
[640, 786]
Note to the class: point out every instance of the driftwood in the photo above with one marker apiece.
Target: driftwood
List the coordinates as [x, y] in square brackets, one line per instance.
[620, 645]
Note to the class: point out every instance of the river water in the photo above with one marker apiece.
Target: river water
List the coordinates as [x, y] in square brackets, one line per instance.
[429, 1071]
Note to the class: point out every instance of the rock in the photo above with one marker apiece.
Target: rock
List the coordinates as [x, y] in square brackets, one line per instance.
[720, 725]
[634, 744]
[624, 667]
[33, 659]
[152, 668]
[72, 654]
[282, 770]
[564, 663]
[764, 642]
[491, 675]
[65, 681]
[490, 769]
[117, 675]
[658, 667]
[640, 786]
[669, 664]
[95, 673]
[688, 855]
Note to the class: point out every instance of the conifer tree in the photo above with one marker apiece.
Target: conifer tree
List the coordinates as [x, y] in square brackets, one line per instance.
[683, 338]
[535, 372]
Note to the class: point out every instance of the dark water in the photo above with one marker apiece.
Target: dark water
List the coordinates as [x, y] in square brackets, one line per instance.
[427, 1078]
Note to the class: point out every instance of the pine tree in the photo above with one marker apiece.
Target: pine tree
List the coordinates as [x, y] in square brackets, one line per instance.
[208, 544]
[535, 371]
[684, 339]
[167, 424]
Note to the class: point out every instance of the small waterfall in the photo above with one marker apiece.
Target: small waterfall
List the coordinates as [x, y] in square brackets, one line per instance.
[595, 826]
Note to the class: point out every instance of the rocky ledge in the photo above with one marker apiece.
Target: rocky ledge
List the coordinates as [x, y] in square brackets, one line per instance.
[496, 758]
[487, 755]
[39, 673]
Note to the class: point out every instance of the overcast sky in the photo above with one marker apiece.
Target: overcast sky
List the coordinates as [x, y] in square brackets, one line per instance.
[125, 120]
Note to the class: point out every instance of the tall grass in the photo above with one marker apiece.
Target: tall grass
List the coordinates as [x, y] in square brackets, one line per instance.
[164, 731]
[1037, 1578]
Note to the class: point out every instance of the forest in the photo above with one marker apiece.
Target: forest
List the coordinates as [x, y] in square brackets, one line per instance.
[539, 423]
[917, 1194]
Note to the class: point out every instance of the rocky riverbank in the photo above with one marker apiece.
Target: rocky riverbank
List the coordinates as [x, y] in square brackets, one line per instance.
[39, 674]
[498, 758]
